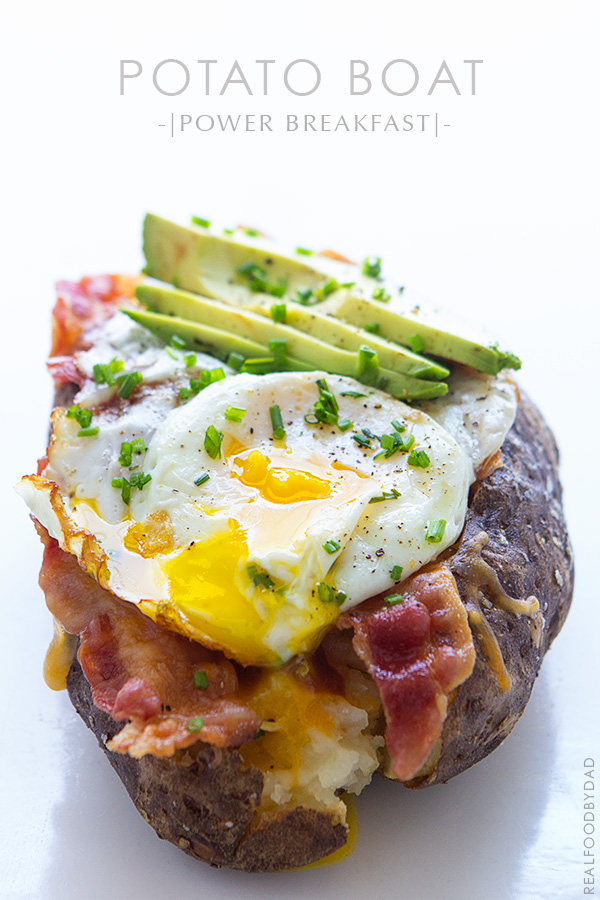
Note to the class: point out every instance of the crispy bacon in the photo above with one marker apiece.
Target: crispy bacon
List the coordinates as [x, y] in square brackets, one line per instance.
[141, 673]
[417, 652]
[84, 304]
[64, 371]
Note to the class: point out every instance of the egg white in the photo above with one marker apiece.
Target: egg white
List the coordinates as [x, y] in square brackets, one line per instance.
[185, 553]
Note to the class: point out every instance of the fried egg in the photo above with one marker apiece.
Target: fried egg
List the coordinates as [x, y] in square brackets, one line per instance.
[246, 541]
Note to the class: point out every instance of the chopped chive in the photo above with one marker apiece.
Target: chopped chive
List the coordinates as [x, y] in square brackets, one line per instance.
[234, 413]
[394, 443]
[201, 679]
[416, 343]
[331, 546]
[195, 724]
[251, 232]
[304, 252]
[103, 374]
[277, 290]
[347, 284]
[216, 375]
[326, 289]
[368, 365]
[172, 353]
[372, 327]
[203, 223]
[116, 365]
[372, 267]
[393, 599]
[128, 383]
[304, 296]
[259, 576]
[396, 424]
[326, 594]
[344, 425]
[278, 349]
[212, 442]
[190, 360]
[82, 416]
[202, 479]
[278, 312]
[258, 282]
[277, 422]
[396, 573]
[125, 487]
[368, 433]
[382, 295]
[185, 393]
[352, 394]
[387, 495]
[228, 231]
[260, 366]
[435, 531]
[178, 342]
[88, 432]
[235, 360]
[419, 459]
[125, 455]
[340, 598]
[138, 445]
[138, 480]
[361, 440]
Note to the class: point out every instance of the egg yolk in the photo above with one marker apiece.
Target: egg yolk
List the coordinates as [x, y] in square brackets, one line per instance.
[215, 598]
[279, 485]
[212, 592]
[288, 707]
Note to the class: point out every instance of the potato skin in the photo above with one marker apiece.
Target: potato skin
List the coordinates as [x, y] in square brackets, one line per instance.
[207, 805]
[519, 508]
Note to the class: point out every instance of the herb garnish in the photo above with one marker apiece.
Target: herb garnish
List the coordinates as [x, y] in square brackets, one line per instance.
[277, 422]
[212, 442]
[435, 531]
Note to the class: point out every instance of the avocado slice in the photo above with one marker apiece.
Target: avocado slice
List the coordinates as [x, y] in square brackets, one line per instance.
[214, 341]
[197, 318]
[221, 267]
[349, 337]
[399, 327]
[240, 273]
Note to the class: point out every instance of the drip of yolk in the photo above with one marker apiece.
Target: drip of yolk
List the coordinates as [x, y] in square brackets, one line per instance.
[288, 708]
[279, 485]
[212, 597]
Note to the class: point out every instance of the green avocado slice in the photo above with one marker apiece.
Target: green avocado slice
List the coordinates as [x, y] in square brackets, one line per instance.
[199, 319]
[240, 274]
[402, 328]
[349, 337]
[195, 260]
[214, 341]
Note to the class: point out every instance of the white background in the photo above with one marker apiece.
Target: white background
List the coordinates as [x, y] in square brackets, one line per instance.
[498, 217]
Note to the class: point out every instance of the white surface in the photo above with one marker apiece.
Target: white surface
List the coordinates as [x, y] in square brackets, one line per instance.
[499, 220]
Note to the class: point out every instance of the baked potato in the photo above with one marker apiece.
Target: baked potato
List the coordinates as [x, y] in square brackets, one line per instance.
[419, 685]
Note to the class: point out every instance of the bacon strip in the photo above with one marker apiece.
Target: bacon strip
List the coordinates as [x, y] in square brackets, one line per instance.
[417, 652]
[141, 673]
[84, 304]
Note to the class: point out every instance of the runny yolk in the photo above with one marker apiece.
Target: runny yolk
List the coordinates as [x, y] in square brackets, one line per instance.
[210, 592]
[279, 485]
